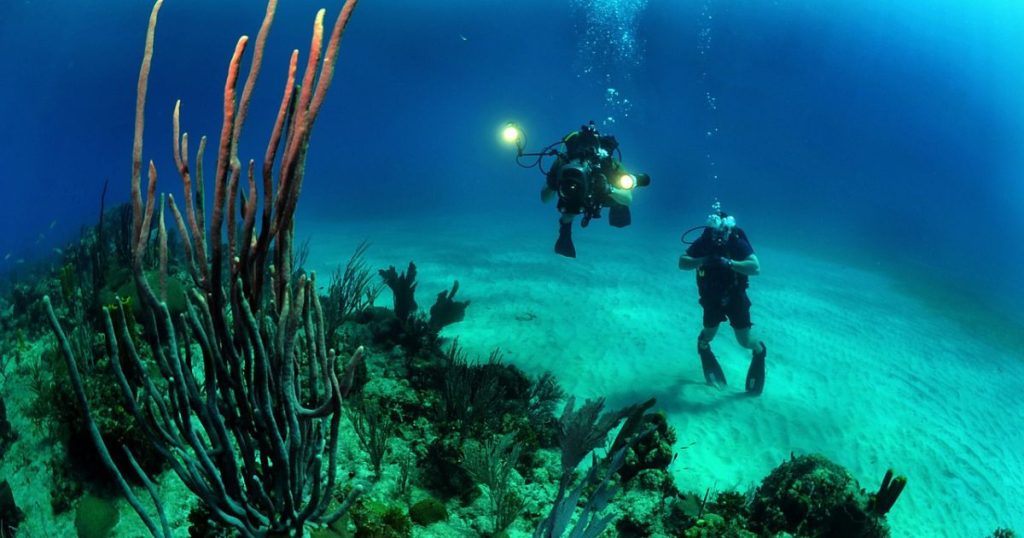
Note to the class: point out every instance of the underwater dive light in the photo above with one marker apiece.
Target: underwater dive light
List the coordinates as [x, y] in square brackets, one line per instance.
[626, 181]
[511, 133]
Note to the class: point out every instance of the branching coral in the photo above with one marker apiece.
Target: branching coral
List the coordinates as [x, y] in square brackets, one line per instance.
[247, 405]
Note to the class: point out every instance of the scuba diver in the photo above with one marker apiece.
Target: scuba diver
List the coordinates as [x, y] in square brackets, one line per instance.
[724, 261]
[586, 178]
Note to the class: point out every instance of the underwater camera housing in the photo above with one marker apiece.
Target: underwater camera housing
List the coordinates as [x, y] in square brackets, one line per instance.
[575, 183]
[580, 177]
[582, 187]
[582, 182]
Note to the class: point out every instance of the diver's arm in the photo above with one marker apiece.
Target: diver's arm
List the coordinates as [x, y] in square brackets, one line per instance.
[617, 195]
[546, 194]
[686, 263]
[621, 196]
[749, 266]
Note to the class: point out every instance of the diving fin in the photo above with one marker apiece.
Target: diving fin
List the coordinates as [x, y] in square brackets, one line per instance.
[713, 373]
[755, 375]
[564, 244]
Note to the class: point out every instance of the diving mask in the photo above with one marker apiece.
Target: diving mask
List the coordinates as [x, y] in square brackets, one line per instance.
[720, 227]
[721, 224]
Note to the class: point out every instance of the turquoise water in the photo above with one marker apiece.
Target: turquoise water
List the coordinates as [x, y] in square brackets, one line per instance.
[873, 150]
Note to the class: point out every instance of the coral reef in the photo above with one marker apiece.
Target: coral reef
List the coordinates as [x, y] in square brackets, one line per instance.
[812, 496]
[254, 434]
[10, 515]
[7, 433]
[351, 291]
[888, 493]
[374, 519]
[427, 512]
[446, 310]
[95, 517]
[443, 441]
[403, 289]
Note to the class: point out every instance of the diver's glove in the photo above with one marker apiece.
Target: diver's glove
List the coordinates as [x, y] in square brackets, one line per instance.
[712, 262]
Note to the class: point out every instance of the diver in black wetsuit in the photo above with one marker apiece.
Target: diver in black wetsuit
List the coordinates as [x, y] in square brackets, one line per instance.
[586, 178]
[724, 261]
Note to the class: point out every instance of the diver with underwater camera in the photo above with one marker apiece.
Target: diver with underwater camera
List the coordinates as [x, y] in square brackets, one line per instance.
[724, 261]
[586, 177]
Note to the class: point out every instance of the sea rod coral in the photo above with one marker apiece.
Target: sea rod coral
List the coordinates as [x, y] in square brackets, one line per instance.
[247, 404]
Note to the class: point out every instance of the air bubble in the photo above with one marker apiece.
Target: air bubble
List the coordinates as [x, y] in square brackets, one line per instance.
[609, 46]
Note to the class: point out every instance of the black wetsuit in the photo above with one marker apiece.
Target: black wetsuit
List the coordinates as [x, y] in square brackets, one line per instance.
[723, 292]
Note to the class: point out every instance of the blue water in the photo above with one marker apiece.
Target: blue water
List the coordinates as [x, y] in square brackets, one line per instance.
[888, 133]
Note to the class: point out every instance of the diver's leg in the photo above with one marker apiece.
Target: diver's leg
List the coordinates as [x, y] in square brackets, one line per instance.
[564, 244]
[745, 339]
[546, 194]
[619, 216]
[707, 335]
[756, 372]
[713, 373]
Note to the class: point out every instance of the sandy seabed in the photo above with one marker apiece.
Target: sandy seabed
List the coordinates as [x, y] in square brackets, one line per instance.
[860, 368]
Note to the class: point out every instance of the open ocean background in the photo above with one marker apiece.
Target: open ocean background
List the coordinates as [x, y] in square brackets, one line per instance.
[871, 150]
[885, 133]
